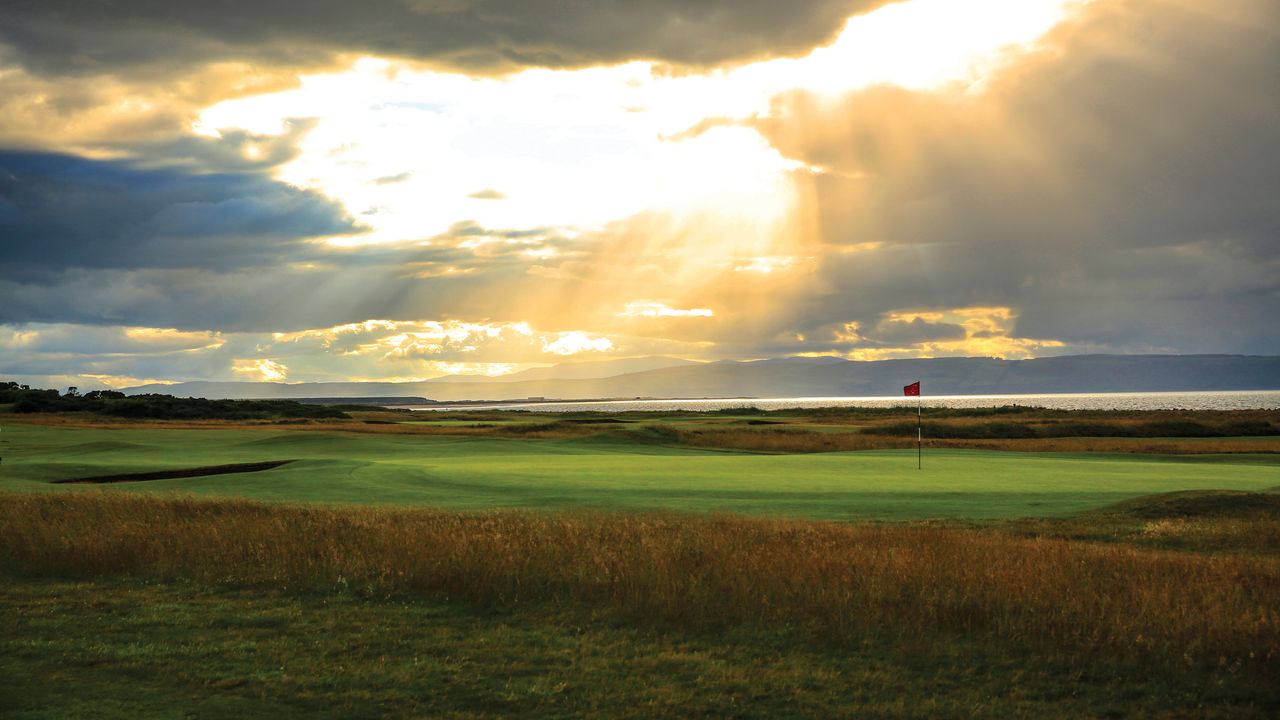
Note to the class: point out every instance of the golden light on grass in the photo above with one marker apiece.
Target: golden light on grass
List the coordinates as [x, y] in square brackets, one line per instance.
[836, 582]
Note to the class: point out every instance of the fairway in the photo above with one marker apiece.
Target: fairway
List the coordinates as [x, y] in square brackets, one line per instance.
[483, 473]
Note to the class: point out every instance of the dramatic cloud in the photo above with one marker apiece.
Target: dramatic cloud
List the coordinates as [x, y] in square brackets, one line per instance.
[374, 349]
[440, 341]
[64, 354]
[59, 212]
[110, 113]
[77, 340]
[76, 37]
[1111, 187]
[916, 330]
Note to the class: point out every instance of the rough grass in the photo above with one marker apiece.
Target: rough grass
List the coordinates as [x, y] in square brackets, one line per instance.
[1161, 424]
[796, 440]
[803, 431]
[1200, 521]
[827, 582]
[1222, 504]
[785, 440]
[119, 648]
[1140, 446]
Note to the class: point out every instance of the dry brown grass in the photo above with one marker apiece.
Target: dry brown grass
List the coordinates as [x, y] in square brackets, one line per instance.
[786, 440]
[980, 416]
[836, 582]
[363, 423]
[86, 420]
[793, 440]
[783, 437]
[1194, 520]
[1262, 535]
[1153, 446]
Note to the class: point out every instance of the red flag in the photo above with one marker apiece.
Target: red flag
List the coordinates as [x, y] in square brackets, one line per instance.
[912, 389]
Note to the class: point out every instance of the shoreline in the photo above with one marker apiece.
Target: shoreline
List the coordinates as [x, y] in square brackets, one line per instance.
[1119, 400]
[465, 404]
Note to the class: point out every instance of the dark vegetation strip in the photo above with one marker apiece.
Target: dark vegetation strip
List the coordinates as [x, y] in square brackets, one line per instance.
[155, 406]
[1031, 430]
[180, 473]
[827, 582]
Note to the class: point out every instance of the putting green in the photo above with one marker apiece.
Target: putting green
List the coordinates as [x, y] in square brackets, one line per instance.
[462, 472]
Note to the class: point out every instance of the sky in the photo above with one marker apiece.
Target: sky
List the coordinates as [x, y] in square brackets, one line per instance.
[407, 189]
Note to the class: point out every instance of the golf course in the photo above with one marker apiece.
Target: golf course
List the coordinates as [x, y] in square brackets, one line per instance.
[614, 471]
[283, 561]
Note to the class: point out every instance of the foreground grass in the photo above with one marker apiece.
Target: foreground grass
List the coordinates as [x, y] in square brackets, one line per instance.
[820, 580]
[137, 606]
[111, 648]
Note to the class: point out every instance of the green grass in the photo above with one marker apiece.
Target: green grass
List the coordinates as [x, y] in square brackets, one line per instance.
[616, 473]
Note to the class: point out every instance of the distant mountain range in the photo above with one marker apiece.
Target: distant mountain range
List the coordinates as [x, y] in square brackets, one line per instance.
[796, 377]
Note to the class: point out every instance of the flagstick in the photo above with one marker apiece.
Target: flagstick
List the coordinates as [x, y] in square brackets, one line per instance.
[919, 436]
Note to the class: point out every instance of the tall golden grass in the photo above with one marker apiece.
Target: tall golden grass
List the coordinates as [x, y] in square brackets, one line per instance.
[1257, 534]
[837, 582]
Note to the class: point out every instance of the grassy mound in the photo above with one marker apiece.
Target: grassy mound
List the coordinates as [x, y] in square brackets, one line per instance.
[1218, 504]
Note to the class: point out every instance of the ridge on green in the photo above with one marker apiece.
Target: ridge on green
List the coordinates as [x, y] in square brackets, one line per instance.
[485, 473]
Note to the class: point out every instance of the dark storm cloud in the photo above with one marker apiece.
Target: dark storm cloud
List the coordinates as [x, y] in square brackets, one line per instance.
[59, 212]
[84, 36]
[268, 299]
[1117, 191]
[271, 284]
[918, 330]
[232, 151]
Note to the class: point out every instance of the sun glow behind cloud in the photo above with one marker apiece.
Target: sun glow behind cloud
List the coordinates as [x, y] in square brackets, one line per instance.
[415, 154]
[411, 152]
[648, 309]
[973, 331]
[260, 369]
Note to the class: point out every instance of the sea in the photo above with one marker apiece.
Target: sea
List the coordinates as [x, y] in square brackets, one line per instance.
[1210, 400]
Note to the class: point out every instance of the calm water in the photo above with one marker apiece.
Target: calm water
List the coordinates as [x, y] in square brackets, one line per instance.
[1227, 400]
